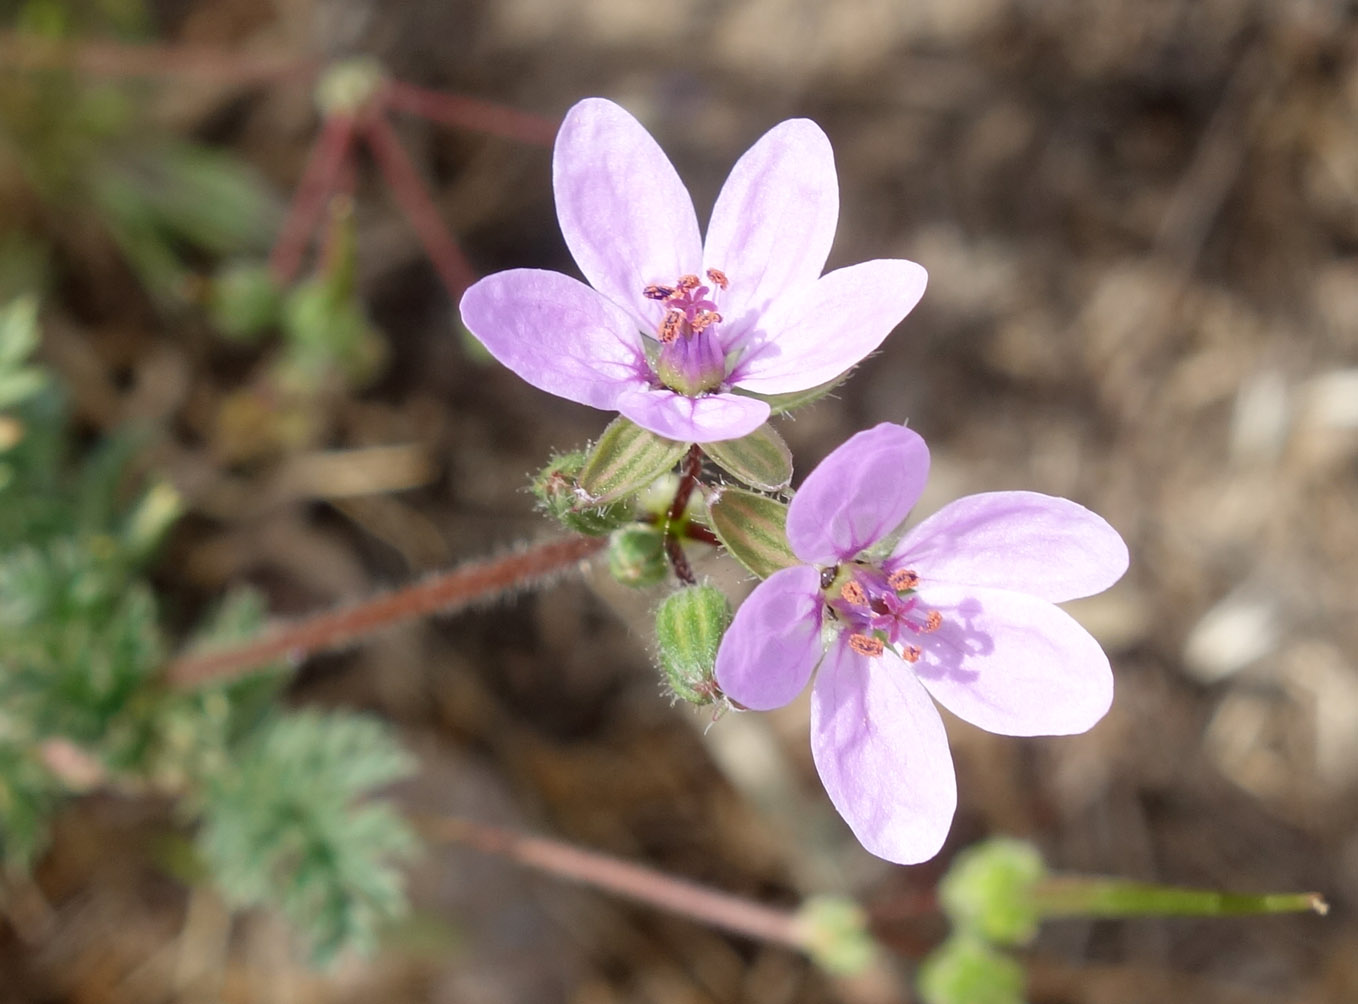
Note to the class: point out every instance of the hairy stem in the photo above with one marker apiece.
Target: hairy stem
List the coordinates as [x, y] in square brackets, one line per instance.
[25, 51]
[468, 113]
[443, 593]
[645, 885]
[414, 199]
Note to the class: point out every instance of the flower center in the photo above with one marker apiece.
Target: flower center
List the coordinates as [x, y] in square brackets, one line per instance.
[691, 360]
[878, 610]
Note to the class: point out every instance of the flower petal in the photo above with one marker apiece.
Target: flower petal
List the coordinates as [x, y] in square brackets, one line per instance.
[813, 334]
[882, 754]
[858, 494]
[773, 223]
[707, 419]
[1049, 547]
[557, 333]
[773, 643]
[1011, 663]
[625, 215]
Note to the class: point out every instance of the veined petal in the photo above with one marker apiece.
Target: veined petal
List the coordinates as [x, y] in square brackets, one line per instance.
[557, 333]
[773, 223]
[1050, 547]
[858, 494]
[773, 643]
[815, 333]
[1011, 663]
[625, 215]
[882, 754]
[707, 419]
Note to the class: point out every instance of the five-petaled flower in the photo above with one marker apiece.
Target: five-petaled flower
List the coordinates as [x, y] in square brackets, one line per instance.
[676, 332]
[961, 609]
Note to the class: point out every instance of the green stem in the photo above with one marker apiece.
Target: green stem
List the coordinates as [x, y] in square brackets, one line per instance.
[1078, 896]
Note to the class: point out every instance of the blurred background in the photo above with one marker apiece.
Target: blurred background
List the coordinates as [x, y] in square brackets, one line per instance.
[1140, 221]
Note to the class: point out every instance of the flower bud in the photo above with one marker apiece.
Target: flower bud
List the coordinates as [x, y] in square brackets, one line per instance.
[966, 970]
[988, 891]
[835, 933]
[555, 488]
[688, 629]
[636, 556]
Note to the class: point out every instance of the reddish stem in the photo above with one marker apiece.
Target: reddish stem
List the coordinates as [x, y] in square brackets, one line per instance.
[325, 164]
[414, 199]
[443, 593]
[689, 470]
[110, 59]
[700, 903]
[469, 113]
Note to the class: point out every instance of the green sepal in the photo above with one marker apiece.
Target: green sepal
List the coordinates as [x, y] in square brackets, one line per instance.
[760, 460]
[688, 630]
[625, 460]
[556, 489]
[753, 528]
[780, 403]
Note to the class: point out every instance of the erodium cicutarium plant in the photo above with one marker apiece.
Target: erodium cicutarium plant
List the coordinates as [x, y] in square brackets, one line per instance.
[677, 333]
[960, 611]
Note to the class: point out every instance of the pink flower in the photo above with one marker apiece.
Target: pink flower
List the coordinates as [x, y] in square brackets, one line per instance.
[673, 327]
[962, 610]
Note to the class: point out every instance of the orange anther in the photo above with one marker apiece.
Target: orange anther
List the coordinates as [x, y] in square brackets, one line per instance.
[669, 327]
[689, 282]
[864, 645]
[657, 292]
[911, 653]
[934, 621]
[902, 580]
[854, 593]
[718, 277]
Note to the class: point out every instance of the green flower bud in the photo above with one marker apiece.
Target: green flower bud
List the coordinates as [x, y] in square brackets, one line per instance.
[244, 300]
[988, 891]
[688, 629]
[965, 970]
[636, 556]
[555, 489]
[836, 936]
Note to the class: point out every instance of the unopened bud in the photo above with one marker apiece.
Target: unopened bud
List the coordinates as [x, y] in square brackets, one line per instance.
[966, 970]
[555, 488]
[636, 556]
[835, 934]
[688, 629]
[988, 891]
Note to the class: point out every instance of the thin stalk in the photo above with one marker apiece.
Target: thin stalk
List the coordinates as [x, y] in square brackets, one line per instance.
[414, 199]
[622, 878]
[469, 113]
[443, 593]
[24, 51]
[325, 165]
[689, 470]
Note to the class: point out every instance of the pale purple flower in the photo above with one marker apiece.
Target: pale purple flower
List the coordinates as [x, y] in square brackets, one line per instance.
[674, 326]
[961, 610]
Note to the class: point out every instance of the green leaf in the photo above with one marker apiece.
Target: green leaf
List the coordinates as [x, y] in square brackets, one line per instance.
[753, 529]
[18, 330]
[290, 828]
[761, 459]
[625, 460]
